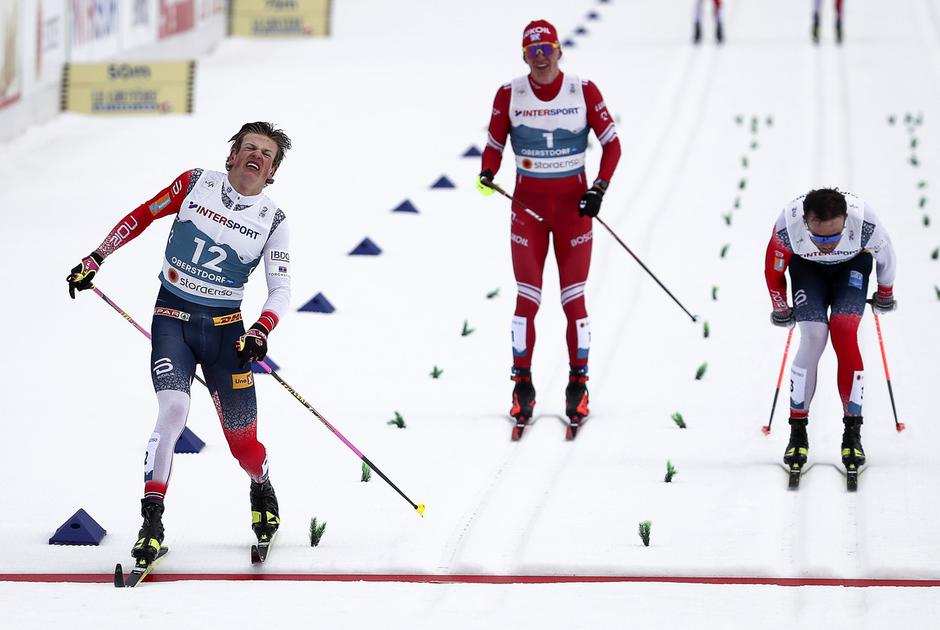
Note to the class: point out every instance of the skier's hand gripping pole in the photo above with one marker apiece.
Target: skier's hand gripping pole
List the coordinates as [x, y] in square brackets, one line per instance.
[419, 507]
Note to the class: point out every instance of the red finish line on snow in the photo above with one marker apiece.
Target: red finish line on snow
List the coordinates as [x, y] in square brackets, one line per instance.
[95, 578]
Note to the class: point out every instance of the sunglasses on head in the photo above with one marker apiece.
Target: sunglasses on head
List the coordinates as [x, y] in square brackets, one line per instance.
[532, 50]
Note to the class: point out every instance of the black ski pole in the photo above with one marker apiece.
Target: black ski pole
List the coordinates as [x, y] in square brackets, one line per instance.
[505, 194]
[419, 507]
[647, 270]
[694, 318]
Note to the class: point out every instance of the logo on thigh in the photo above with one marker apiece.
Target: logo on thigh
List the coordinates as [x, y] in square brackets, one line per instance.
[855, 279]
[800, 297]
[242, 381]
[162, 366]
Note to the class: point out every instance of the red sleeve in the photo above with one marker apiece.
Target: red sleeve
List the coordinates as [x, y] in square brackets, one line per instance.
[498, 131]
[775, 266]
[165, 203]
[602, 123]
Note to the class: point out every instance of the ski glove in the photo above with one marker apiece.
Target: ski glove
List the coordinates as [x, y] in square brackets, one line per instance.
[485, 183]
[883, 300]
[784, 319]
[83, 273]
[252, 346]
[590, 204]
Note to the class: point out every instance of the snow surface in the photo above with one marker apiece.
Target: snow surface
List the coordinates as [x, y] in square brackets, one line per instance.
[377, 113]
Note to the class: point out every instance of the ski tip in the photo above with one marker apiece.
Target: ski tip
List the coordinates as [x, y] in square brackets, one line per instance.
[420, 510]
[695, 318]
[901, 426]
[765, 429]
[118, 576]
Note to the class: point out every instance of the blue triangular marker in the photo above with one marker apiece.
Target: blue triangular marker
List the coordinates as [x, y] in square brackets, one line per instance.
[580, 31]
[568, 43]
[188, 442]
[443, 182]
[319, 304]
[80, 529]
[257, 369]
[593, 15]
[472, 152]
[366, 248]
[405, 206]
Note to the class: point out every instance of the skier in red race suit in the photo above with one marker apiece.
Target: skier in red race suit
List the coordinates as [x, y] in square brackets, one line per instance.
[697, 22]
[547, 116]
[817, 5]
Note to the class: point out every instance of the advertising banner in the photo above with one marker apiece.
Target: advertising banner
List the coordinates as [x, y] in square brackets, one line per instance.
[280, 18]
[176, 16]
[94, 29]
[10, 70]
[208, 9]
[139, 23]
[50, 31]
[129, 88]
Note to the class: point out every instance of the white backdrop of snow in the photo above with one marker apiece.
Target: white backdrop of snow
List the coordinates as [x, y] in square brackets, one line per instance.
[377, 112]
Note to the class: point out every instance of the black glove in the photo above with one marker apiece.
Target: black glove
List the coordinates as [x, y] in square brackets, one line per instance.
[784, 319]
[590, 204]
[883, 300]
[485, 182]
[83, 273]
[253, 345]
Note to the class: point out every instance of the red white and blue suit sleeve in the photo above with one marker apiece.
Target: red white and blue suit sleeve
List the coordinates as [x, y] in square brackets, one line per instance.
[165, 203]
[776, 261]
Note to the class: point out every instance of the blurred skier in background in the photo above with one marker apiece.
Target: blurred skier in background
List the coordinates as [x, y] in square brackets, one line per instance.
[815, 31]
[697, 22]
[547, 115]
[828, 240]
[224, 227]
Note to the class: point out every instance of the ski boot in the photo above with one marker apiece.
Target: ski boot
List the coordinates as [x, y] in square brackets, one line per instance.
[576, 395]
[697, 33]
[798, 448]
[523, 395]
[852, 453]
[264, 513]
[815, 32]
[150, 536]
[719, 32]
[839, 29]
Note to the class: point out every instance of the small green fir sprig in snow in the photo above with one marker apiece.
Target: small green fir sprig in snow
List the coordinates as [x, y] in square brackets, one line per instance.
[316, 531]
[645, 527]
[670, 471]
[398, 421]
[366, 472]
[700, 372]
[679, 420]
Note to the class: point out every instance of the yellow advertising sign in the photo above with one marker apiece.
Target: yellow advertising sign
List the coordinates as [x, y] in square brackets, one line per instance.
[279, 18]
[164, 87]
